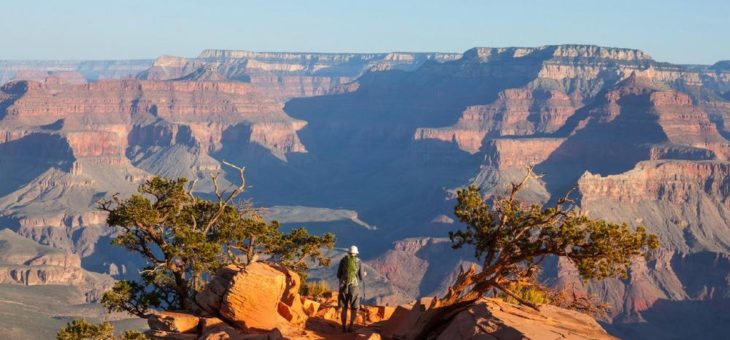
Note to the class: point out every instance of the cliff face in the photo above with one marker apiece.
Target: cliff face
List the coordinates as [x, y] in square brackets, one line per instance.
[108, 117]
[673, 198]
[64, 146]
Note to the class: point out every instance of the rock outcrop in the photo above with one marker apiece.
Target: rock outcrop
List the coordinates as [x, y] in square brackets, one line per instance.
[263, 302]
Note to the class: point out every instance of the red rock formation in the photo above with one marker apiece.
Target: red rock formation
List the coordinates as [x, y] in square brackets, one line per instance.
[89, 111]
[245, 299]
[672, 181]
[686, 124]
[516, 112]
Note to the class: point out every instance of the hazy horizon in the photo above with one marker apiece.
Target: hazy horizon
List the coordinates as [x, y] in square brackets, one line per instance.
[671, 31]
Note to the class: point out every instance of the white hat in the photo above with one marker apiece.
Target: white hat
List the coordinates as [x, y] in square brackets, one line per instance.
[353, 250]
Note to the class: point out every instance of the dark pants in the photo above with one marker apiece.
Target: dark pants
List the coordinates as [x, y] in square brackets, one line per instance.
[348, 298]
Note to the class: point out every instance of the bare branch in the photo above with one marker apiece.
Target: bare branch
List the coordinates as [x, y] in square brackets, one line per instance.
[223, 203]
[516, 187]
[191, 189]
[216, 189]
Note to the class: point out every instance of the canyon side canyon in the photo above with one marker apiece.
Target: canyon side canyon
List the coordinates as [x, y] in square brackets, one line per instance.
[372, 147]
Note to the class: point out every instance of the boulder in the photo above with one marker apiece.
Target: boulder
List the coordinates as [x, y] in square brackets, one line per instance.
[209, 300]
[294, 314]
[290, 307]
[293, 284]
[403, 318]
[378, 313]
[328, 313]
[252, 299]
[206, 323]
[173, 322]
[310, 307]
[400, 322]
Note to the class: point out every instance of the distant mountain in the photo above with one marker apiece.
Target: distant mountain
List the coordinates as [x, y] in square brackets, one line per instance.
[371, 146]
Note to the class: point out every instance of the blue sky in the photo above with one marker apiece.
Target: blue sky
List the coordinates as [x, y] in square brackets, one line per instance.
[695, 31]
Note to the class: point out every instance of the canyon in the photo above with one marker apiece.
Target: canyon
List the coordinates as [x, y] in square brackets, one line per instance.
[372, 146]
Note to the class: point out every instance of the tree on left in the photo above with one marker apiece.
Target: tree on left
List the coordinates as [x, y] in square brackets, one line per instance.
[184, 239]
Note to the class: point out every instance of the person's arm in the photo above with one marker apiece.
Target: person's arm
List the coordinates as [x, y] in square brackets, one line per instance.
[361, 272]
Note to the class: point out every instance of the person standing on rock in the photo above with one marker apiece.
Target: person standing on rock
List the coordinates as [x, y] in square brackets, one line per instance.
[350, 275]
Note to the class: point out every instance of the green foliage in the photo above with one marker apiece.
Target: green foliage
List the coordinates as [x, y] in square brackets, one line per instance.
[293, 249]
[130, 296]
[513, 238]
[530, 293]
[133, 335]
[314, 289]
[185, 239]
[83, 330]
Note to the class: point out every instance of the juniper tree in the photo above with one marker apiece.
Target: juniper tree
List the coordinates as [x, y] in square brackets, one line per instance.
[184, 239]
[511, 238]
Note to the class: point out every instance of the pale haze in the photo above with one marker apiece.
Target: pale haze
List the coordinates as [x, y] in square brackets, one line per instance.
[688, 32]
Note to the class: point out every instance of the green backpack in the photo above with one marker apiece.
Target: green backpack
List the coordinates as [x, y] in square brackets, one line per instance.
[351, 267]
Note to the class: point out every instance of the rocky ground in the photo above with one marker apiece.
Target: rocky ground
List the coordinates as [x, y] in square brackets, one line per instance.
[263, 302]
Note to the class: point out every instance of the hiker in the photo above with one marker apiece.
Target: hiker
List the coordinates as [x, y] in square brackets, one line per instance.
[350, 275]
